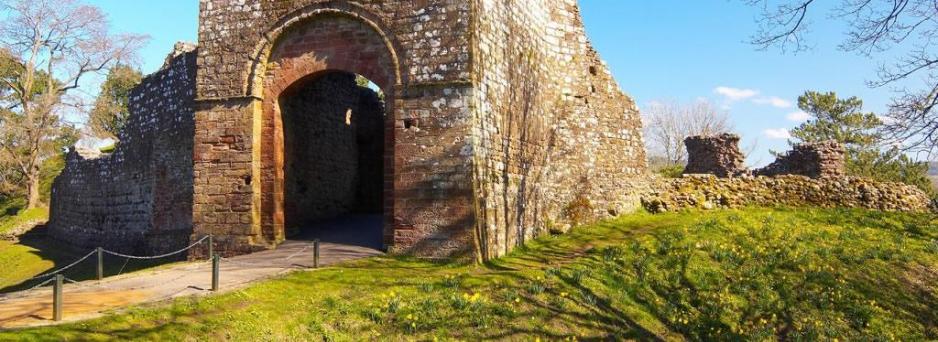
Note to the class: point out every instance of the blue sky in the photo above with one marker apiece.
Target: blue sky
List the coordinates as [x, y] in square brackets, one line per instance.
[663, 50]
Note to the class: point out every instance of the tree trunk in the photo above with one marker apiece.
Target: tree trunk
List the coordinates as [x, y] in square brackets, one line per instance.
[33, 189]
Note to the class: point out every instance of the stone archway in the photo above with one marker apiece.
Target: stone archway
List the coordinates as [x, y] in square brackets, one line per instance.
[317, 47]
[333, 159]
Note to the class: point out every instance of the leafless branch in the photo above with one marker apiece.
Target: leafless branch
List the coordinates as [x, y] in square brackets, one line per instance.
[54, 44]
[875, 26]
[667, 124]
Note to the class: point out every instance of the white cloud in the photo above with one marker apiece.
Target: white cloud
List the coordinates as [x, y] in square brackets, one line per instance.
[736, 94]
[798, 116]
[773, 101]
[777, 133]
[886, 120]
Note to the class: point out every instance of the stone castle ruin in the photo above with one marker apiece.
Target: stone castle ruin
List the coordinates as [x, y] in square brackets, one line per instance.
[810, 174]
[484, 123]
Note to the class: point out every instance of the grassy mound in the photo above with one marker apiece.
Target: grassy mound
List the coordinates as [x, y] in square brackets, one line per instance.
[758, 274]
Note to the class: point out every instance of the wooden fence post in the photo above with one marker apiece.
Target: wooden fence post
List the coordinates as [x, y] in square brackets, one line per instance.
[215, 266]
[316, 253]
[57, 297]
[100, 263]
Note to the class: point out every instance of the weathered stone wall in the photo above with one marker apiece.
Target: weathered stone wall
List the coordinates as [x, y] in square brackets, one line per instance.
[553, 133]
[334, 150]
[817, 160]
[138, 198]
[716, 155]
[710, 192]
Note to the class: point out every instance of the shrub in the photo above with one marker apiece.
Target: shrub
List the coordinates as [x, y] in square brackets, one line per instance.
[672, 171]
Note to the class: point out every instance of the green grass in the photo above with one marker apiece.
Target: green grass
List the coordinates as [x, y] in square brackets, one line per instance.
[109, 148]
[756, 274]
[20, 262]
[25, 260]
[33, 255]
[9, 223]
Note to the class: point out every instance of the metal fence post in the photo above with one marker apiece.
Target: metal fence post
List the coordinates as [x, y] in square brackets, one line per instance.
[316, 253]
[211, 248]
[57, 297]
[215, 262]
[100, 263]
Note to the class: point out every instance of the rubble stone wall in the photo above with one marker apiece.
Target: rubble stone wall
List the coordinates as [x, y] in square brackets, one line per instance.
[815, 160]
[710, 192]
[137, 199]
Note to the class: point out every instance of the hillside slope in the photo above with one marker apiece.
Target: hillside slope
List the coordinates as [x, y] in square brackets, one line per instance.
[735, 275]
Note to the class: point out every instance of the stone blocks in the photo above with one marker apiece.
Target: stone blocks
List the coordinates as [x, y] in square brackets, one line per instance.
[137, 199]
[716, 155]
[709, 192]
[499, 118]
[818, 160]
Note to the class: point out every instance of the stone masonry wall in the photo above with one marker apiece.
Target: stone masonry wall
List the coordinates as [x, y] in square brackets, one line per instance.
[553, 133]
[710, 192]
[717, 155]
[416, 51]
[501, 123]
[809, 175]
[817, 160]
[137, 199]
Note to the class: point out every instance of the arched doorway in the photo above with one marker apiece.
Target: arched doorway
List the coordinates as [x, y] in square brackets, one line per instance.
[324, 144]
[333, 159]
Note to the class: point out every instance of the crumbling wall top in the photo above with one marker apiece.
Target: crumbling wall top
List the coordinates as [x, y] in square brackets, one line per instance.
[815, 160]
[718, 155]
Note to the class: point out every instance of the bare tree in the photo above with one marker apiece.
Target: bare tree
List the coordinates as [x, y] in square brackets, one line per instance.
[875, 26]
[49, 47]
[667, 124]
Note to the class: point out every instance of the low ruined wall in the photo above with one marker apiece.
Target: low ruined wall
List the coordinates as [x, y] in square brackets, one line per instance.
[138, 198]
[710, 192]
[823, 159]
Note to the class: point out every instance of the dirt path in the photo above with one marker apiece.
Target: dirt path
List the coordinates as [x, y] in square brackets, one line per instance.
[92, 299]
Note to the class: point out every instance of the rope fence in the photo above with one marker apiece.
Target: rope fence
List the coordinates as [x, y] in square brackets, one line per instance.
[63, 269]
[60, 271]
[161, 256]
[57, 277]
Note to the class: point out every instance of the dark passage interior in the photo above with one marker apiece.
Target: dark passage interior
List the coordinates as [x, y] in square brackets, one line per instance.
[333, 127]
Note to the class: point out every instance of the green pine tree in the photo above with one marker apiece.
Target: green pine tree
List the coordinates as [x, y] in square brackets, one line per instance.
[844, 121]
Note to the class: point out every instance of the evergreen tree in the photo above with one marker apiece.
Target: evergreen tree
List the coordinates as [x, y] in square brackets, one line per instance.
[844, 121]
[110, 112]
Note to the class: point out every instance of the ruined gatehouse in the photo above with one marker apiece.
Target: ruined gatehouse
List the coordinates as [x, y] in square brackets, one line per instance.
[484, 124]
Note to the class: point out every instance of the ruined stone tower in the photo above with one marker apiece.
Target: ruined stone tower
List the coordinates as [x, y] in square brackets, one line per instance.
[497, 121]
